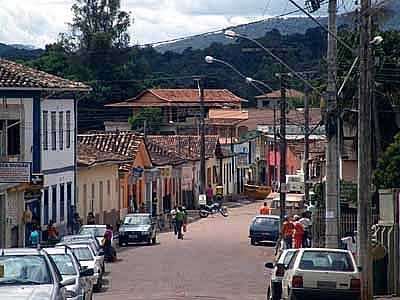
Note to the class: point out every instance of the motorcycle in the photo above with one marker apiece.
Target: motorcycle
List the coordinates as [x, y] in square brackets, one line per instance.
[212, 209]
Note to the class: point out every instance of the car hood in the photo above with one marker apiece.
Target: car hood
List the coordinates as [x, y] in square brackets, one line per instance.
[26, 292]
[135, 228]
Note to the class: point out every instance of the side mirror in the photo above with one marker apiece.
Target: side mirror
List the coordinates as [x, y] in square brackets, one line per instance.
[69, 281]
[269, 265]
[101, 252]
[359, 269]
[87, 272]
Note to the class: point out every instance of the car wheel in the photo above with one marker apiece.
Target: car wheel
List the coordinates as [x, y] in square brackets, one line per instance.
[154, 240]
[253, 242]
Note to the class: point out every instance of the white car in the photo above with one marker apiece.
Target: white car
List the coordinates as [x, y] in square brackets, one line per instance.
[69, 267]
[274, 290]
[87, 259]
[98, 231]
[322, 274]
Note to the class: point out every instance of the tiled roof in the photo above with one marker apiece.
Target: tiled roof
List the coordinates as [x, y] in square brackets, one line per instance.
[126, 144]
[228, 114]
[290, 93]
[161, 156]
[184, 146]
[17, 76]
[89, 155]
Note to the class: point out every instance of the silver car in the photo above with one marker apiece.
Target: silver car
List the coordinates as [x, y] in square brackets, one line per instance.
[30, 274]
[69, 267]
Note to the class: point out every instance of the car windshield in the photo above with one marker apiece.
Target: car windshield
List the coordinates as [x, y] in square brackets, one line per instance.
[137, 220]
[326, 261]
[64, 264]
[96, 231]
[83, 253]
[267, 224]
[24, 269]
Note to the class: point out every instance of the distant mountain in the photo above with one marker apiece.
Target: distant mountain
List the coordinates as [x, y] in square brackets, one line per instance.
[24, 47]
[19, 52]
[286, 26]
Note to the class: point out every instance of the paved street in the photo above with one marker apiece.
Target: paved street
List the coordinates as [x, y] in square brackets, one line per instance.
[214, 261]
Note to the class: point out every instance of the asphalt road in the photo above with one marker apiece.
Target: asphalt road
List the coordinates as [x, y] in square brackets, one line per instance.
[214, 262]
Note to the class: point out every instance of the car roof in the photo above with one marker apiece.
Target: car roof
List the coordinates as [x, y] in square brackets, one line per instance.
[64, 249]
[94, 226]
[78, 236]
[78, 245]
[325, 250]
[20, 251]
[138, 214]
[268, 216]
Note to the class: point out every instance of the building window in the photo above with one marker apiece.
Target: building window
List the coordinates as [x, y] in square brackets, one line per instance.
[61, 129]
[101, 196]
[45, 130]
[46, 206]
[68, 129]
[53, 130]
[62, 202]
[69, 200]
[54, 203]
[108, 187]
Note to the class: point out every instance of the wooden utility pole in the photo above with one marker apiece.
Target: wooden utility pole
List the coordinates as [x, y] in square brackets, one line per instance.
[275, 168]
[200, 84]
[364, 155]
[282, 138]
[331, 125]
[306, 142]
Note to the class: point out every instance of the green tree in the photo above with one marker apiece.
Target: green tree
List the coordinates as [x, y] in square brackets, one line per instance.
[151, 116]
[388, 173]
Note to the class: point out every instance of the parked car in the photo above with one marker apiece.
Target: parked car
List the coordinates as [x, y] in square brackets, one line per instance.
[264, 228]
[86, 239]
[69, 267]
[30, 274]
[98, 231]
[274, 290]
[322, 274]
[87, 259]
[137, 228]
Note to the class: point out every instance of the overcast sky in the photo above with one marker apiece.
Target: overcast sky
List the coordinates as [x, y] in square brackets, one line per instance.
[38, 22]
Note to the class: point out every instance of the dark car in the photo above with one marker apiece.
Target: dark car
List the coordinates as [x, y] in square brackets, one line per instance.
[264, 228]
[137, 228]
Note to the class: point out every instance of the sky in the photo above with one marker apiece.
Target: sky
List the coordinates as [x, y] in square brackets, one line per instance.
[38, 22]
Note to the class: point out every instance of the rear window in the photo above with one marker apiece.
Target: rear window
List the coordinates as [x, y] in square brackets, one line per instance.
[326, 261]
[267, 223]
[83, 254]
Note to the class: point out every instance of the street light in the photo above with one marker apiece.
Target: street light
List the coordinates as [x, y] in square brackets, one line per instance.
[376, 40]
[210, 60]
[233, 34]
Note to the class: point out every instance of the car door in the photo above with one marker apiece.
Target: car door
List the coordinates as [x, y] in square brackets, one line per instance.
[288, 274]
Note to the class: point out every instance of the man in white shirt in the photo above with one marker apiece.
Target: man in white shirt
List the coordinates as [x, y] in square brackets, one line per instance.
[306, 222]
[173, 219]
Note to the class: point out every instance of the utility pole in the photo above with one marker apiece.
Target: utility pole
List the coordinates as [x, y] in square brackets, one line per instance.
[331, 125]
[275, 170]
[200, 85]
[282, 137]
[364, 155]
[306, 142]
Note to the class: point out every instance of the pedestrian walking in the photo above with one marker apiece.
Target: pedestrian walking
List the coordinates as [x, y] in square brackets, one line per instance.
[298, 232]
[265, 210]
[287, 232]
[180, 218]
[306, 222]
[107, 243]
[34, 237]
[173, 219]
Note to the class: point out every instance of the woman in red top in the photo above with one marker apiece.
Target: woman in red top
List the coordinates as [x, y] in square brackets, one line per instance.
[298, 232]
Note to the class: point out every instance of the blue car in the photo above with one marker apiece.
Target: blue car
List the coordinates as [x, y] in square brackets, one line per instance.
[264, 228]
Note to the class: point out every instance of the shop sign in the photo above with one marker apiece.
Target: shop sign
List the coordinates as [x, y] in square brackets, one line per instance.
[15, 172]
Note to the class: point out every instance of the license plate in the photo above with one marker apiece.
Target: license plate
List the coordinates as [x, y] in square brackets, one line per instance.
[133, 236]
[326, 284]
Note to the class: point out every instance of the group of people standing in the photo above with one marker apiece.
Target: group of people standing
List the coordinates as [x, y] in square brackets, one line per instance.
[179, 221]
[296, 231]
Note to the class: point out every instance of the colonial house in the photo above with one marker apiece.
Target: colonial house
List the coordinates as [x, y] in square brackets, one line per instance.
[136, 175]
[180, 108]
[37, 151]
[98, 184]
